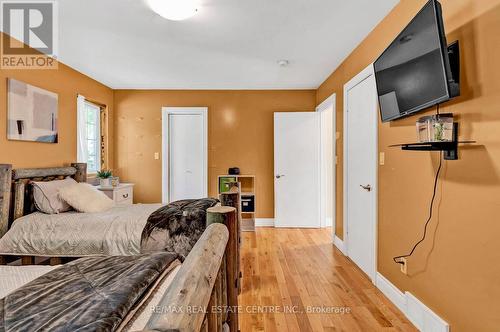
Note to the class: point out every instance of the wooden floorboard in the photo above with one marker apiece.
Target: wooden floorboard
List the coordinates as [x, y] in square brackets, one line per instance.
[292, 276]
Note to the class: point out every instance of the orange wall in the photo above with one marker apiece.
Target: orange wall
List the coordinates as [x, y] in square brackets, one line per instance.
[67, 83]
[456, 272]
[240, 134]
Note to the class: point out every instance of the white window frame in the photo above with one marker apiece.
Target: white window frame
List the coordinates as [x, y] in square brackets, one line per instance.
[98, 136]
[83, 148]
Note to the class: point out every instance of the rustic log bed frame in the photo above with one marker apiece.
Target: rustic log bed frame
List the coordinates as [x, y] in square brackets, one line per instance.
[203, 295]
[16, 195]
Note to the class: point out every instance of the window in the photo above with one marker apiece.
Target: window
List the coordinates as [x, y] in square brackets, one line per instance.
[93, 137]
[89, 135]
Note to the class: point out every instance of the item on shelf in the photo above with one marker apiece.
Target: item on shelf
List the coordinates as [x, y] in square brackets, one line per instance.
[105, 177]
[115, 181]
[247, 204]
[435, 128]
[234, 187]
[225, 183]
[234, 171]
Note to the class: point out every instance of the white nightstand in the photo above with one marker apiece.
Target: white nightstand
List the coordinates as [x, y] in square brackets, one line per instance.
[123, 194]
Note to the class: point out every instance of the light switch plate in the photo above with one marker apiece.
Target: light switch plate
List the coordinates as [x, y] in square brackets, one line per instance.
[382, 158]
[157, 155]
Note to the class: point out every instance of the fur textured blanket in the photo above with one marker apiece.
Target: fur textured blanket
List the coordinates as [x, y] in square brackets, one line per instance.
[176, 227]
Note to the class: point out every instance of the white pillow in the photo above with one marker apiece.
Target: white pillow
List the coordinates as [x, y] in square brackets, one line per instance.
[46, 195]
[84, 197]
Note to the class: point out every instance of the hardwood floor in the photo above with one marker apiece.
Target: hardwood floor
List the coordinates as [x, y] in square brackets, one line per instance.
[289, 272]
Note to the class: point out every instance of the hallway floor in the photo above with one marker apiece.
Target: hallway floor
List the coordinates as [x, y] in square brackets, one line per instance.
[296, 280]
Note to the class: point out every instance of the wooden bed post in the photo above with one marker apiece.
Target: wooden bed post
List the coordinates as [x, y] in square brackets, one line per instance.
[5, 181]
[227, 215]
[233, 199]
[19, 190]
[81, 172]
[185, 305]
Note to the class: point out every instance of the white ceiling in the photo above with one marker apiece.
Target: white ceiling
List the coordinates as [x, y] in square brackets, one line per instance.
[228, 44]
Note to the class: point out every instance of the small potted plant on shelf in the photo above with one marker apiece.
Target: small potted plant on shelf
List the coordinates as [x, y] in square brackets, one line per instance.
[105, 176]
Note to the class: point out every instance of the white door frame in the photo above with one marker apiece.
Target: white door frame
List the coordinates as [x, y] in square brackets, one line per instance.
[363, 75]
[328, 102]
[166, 112]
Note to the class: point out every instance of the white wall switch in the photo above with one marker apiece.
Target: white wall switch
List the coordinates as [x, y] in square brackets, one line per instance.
[157, 155]
[382, 158]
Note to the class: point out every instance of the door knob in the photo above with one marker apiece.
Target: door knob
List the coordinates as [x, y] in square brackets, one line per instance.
[367, 187]
[279, 176]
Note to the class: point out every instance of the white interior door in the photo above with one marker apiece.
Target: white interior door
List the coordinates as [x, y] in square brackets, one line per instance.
[360, 170]
[297, 169]
[185, 147]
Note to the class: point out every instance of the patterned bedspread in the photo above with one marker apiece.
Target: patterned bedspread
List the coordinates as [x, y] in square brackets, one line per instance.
[120, 231]
[116, 232]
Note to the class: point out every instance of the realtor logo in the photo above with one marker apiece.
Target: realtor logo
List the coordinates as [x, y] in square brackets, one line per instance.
[29, 38]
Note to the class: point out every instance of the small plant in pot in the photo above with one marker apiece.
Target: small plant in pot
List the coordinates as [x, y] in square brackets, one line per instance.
[105, 176]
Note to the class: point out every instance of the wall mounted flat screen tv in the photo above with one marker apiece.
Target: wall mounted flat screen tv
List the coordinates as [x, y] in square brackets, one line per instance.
[414, 72]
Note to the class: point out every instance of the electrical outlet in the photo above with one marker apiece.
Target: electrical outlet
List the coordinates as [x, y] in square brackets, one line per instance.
[157, 156]
[404, 266]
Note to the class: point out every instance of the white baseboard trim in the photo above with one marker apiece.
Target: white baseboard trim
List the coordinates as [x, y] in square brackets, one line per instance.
[418, 313]
[391, 292]
[422, 317]
[339, 244]
[264, 222]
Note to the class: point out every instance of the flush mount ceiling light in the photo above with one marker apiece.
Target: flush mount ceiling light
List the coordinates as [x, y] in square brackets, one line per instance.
[175, 10]
[283, 63]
